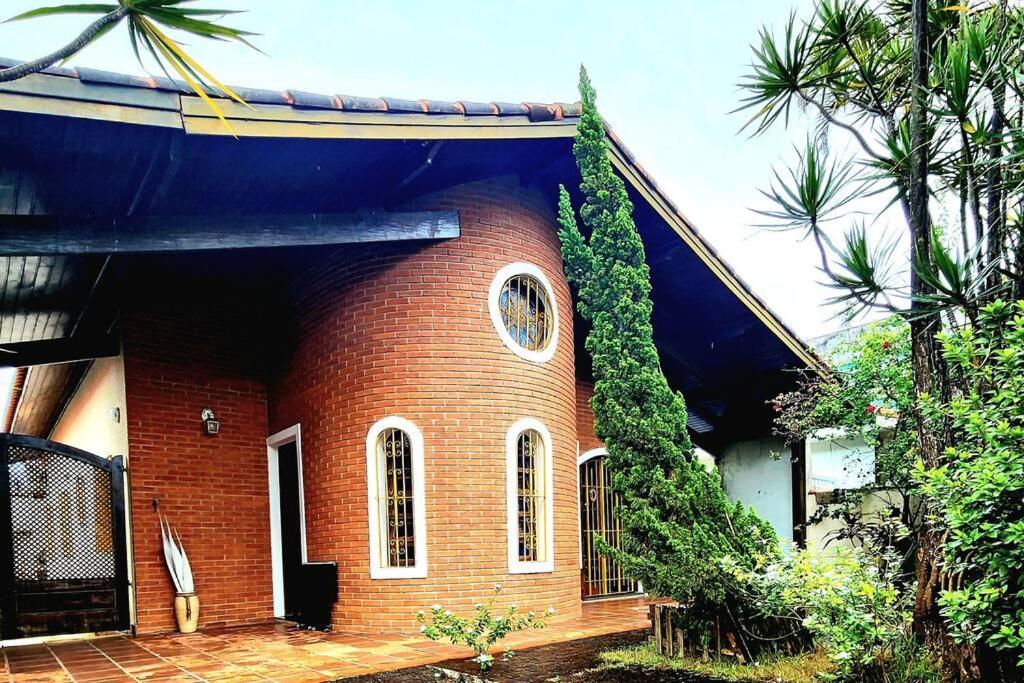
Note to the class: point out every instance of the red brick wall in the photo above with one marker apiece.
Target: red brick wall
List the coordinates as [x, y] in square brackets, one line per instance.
[585, 417]
[405, 330]
[214, 489]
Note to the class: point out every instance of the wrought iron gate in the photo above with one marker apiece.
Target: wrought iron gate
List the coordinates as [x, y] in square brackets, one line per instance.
[602, 576]
[63, 556]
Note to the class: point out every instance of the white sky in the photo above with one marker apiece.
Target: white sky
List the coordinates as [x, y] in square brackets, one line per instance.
[666, 74]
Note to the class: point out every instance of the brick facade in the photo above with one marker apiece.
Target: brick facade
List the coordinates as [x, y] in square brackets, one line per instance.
[398, 329]
[585, 417]
[405, 330]
[214, 490]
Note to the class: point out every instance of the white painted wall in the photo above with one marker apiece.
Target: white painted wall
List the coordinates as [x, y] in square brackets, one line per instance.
[95, 419]
[751, 474]
[839, 463]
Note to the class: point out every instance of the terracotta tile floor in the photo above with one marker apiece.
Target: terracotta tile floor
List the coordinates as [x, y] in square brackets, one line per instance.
[276, 652]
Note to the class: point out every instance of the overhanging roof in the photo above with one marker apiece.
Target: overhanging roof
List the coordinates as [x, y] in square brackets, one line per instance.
[83, 142]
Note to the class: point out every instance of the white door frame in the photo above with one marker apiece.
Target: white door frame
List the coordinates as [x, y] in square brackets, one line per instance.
[274, 441]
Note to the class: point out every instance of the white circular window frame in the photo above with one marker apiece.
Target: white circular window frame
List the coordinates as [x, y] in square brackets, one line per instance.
[497, 284]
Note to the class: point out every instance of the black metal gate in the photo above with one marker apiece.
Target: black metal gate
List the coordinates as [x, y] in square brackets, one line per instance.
[63, 555]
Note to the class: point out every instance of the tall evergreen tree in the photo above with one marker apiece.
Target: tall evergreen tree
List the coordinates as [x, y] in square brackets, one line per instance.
[678, 523]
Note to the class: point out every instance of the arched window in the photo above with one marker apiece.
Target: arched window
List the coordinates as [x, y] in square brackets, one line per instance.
[394, 458]
[524, 311]
[530, 508]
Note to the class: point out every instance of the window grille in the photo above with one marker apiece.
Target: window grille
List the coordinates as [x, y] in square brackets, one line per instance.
[599, 505]
[526, 312]
[395, 498]
[530, 468]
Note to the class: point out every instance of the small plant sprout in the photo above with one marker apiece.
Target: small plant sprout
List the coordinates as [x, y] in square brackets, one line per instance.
[480, 631]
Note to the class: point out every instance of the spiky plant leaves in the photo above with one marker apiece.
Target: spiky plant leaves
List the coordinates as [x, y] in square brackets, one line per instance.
[148, 21]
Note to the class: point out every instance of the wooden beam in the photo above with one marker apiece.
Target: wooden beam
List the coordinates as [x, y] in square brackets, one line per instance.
[37, 235]
[65, 350]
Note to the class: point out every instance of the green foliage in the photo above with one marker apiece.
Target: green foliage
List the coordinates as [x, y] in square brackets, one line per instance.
[481, 631]
[147, 20]
[871, 396]
[850, 65]
[807, 667]
[979, 490]
[858, 610]
[677, 519]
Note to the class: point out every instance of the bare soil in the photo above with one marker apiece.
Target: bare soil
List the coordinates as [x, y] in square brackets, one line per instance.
[570, 662]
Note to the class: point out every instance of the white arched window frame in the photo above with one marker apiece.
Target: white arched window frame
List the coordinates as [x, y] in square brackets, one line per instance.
[376, 470]
[546, 518]
[493, 302]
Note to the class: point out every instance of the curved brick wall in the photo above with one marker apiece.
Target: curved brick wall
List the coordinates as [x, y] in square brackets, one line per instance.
[405, 330]
[585, 417]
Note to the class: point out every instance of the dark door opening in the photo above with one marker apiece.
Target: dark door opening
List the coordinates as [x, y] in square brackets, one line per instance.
[291, 527]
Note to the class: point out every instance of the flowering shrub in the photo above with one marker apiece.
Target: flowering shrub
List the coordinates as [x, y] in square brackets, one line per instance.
[855, 607]
[978, 492]
[480, 631]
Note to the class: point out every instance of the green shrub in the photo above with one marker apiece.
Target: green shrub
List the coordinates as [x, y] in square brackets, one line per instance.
[978, 492]
[856, 607]
[481, 631]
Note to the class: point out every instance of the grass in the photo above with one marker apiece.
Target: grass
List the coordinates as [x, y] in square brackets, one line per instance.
[805, 668]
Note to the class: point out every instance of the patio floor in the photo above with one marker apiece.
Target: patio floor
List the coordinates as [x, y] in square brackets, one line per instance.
[277, 652]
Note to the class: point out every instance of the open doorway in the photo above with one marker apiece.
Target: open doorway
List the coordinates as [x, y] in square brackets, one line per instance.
[287, 520]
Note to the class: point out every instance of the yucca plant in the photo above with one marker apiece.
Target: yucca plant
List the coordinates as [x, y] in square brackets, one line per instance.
[930, 94]
[147, 22]
[176, 559]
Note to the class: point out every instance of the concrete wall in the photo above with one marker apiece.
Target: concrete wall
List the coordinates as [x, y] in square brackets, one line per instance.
[95, 419]
[752, 475]
[838, 463]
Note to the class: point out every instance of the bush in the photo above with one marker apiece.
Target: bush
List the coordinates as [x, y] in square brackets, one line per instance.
[482, 630]
[856, 607]
[978, 492]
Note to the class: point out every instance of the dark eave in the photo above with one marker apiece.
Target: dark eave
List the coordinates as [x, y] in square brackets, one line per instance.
[81, 143]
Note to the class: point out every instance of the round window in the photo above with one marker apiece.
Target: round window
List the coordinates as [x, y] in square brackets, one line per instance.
[523, 311]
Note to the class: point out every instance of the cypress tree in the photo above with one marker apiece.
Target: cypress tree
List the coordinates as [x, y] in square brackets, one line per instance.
[678, 523]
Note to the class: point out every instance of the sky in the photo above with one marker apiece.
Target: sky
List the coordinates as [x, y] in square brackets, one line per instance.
[667, 76]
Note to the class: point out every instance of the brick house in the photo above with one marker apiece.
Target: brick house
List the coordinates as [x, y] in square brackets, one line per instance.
[368, 296]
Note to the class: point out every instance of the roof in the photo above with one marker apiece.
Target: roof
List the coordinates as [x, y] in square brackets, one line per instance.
[402, 126]
[160, 94]
[307, 100]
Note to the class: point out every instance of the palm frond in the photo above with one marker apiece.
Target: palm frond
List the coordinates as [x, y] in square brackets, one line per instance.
[815, 191]
[780, 71]
[81, 8]
[148, 24]
[864, 273]
[176, 559]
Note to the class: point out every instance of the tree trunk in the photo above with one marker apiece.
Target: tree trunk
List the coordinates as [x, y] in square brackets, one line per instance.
[931, 375]
[91, 31]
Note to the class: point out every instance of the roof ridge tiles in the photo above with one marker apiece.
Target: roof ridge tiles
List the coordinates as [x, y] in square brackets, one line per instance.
[301, 99]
